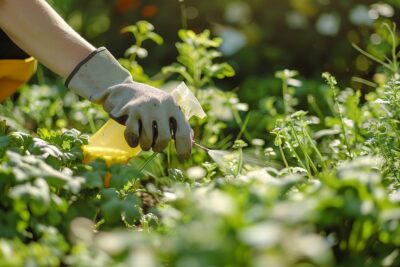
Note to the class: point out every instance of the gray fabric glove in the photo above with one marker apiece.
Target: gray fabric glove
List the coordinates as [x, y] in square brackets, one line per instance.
[151, 116]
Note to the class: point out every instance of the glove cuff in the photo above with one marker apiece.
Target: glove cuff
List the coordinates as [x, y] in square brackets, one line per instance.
[99, 71]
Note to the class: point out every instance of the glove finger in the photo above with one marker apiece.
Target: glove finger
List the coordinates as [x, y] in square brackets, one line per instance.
[121, 120]
[132, 130]
[114, 105]
[146, 132]
[163, 135]
[120, 112]
[182, 135]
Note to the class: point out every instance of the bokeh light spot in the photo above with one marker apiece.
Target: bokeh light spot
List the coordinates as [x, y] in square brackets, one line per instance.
[375, 39]
[149, 11]
[359, 15]
[237, 12]
[362, 63]
[353, 37]
[296, 20]
[124, 5]
[328, 24]
[192, 12]
[100, 24]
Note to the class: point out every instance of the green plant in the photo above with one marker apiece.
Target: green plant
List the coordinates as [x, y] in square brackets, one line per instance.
[196, 65]
[328, 198]
[141, 31]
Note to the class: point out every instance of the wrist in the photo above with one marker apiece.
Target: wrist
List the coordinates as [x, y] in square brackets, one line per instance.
[95, 74]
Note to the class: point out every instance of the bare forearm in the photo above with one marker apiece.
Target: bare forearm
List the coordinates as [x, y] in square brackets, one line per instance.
[41, 32]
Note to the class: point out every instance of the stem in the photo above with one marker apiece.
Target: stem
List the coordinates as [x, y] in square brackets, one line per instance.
[345, 139]
[189, 80]
[307, 161]
[311, 100]
[240, 162]
[40, 75]
[99, 223]
[306, 156]
[394, 54]
[284, 92]
[161, 167]
[284, 159]
[138, 44]
[242, 124]
[364, 81]
[299, 160]
[365, 53]
[169, 153]
[92, 125]
[145, 226]
[310, 161]
[183, 14]
[315, 148]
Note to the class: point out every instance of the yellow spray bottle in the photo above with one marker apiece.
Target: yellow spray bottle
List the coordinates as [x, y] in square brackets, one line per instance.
[109, 144]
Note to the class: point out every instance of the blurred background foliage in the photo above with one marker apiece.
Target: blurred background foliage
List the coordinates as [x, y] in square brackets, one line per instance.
[260, 36]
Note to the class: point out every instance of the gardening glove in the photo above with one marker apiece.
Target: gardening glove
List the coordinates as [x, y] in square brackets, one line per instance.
[151, 116]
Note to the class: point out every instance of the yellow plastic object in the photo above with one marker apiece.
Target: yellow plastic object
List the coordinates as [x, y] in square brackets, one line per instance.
[14, 73]
[109, 144]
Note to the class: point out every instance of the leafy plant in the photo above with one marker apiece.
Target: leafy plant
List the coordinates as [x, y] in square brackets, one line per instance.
[141, 31]
[196, 65]
[328, 195]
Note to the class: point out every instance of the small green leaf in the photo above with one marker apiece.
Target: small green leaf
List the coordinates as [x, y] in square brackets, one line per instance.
[220, 71]
[144, 26]
[155, 37]
[132, 29]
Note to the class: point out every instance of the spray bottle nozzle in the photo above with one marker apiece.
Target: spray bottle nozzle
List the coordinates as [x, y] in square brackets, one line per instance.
[200, 146]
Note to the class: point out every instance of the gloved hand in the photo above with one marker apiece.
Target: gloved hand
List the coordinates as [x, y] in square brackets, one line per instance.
[151, 116]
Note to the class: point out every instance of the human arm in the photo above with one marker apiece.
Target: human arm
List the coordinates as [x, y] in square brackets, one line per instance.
[152, 117]
[35, 27]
